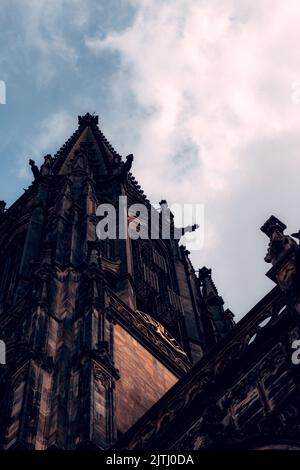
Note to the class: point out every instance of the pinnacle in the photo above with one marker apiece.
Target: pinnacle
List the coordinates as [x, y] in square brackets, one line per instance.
[88, 119]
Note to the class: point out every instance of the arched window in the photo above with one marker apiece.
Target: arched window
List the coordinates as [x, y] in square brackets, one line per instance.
[9, 267]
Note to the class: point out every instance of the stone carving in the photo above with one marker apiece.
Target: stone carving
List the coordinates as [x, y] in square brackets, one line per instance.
[280, 243]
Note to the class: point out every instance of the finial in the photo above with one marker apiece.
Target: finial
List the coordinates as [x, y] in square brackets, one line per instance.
[163, 202]
[48, 158]
[209, 290]
[229, 318]
[167, 218]
[88, 119]
[46, 167]
[204, 272]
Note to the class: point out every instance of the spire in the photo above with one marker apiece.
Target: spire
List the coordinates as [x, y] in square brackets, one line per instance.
[209, 290]
[89, 144]
[229, 318]
[219, 322]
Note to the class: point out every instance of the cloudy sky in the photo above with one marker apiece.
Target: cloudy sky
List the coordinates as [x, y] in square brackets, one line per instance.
[204, 93]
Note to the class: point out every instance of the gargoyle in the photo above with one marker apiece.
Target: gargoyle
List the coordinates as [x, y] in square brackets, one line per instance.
[179, 232]
[36, 172]
[126, 167]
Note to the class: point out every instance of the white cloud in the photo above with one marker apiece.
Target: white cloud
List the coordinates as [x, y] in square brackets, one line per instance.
[216, 77]
[47, 28]
[52, 133]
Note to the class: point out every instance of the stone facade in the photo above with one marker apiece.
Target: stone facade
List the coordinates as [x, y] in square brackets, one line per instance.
[120, 343]
[244, 393]
[70, 303]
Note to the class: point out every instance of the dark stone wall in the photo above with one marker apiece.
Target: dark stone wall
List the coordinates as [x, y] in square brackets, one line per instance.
[64, 293]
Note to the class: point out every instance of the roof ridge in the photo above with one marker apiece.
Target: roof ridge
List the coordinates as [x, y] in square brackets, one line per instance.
[87, 120]
[138, 187]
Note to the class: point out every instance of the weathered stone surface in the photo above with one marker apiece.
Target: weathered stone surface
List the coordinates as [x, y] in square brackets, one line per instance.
[65, 296]
[143, 379]
[244, 393]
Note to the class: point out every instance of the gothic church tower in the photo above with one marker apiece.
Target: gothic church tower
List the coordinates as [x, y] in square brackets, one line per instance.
[96, 331]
